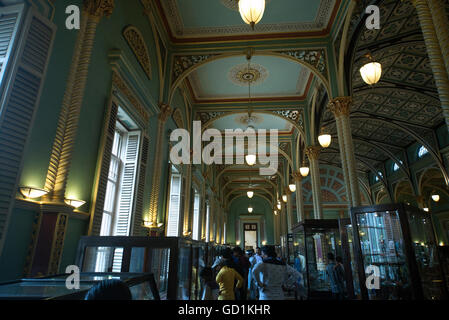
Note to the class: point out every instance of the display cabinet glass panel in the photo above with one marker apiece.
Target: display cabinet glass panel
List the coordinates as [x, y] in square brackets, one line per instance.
[397, 242]
[313, 240]
[141, 285]
[175, 262]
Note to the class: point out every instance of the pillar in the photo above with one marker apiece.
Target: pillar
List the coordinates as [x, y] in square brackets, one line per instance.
[67, 127]
[341, 107]
[165, 112]
[187, 212]
[313, 153]
[299, 197]
[431, 14]
[289, 210]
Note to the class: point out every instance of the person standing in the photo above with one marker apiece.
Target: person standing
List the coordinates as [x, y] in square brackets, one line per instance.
[211, 288]
[258, 255]
[272, 275]
[227, 276]
[336, 278]
[243, 267]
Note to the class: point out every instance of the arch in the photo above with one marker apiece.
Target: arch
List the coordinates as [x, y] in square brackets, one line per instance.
[234, 165]
[425, 174]
[239, 190]
[231, 181]
[259, 195]
[295, 125]
[208, 59]
[432, 152]
[398, 189]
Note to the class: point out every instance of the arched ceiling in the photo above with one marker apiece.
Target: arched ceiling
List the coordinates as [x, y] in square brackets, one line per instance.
[405, 95]
[219, 20]
[274, 78]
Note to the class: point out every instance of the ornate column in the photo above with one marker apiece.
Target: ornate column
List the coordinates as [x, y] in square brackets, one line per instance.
[441, 23]
[434, 50]
[165, 112]
[61, 155]
[341, 107]
[289, 210]
[187, 219]
[299, 197]
[313, 153]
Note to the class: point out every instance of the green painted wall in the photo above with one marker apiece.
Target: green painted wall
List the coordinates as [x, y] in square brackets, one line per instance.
[240, 207]
[17, 241]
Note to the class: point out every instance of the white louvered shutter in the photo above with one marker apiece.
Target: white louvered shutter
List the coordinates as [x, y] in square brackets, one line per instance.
[174, 206]
[127, 185]
[137, 218]
[25, 47]
[103, 169]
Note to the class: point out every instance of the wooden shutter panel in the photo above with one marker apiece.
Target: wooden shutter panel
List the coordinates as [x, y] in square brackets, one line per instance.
[137, 219]
[174, 207]
[22, 81]
[122, 227]
[103, 170]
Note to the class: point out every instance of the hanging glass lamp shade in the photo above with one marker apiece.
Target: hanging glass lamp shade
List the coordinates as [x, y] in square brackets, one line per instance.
[279, 206]
[250, 194]
[284, 198]
[325, 140]
[251, 11]
[292, 187]
[435, 197]
[371, 72]
[304, 171]
[250, 209]
[250, 159]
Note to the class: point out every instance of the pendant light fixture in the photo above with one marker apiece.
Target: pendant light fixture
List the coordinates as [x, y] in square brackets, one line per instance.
[304, 170]
[324, 138]
[250, 209]
[251, 11]
[250, 158]
[284, 198]
[279, 205]
[292, 187]
[250, 193]
[435, 196]
[371, 71]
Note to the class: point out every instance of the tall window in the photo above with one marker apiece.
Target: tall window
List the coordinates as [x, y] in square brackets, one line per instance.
[196, 215]
[120, 190]
[121, 183]
[422, 151]
[174, 204]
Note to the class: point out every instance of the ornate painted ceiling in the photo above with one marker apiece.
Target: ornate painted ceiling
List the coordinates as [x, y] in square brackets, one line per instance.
[387, 117]
[209, 20]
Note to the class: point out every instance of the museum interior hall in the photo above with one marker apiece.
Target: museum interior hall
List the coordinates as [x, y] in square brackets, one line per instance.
[139, 139]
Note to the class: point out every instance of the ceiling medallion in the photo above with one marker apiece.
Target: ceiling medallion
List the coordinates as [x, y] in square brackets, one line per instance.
[249, 121]
[234, 4]
[241, 75]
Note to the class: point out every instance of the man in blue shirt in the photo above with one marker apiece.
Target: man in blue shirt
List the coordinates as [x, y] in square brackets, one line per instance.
[336, 278]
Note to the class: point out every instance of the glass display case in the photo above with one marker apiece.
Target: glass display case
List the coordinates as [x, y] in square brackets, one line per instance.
[444, 258]
[397, 243]
[349, 260]
[175, 262]
[142, 287]
[312, 241]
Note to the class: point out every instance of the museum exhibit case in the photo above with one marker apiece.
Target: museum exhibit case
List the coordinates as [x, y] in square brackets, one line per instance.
[312, 241]
[349, 261]
[444, 258]
[396, 242]
[141, 285]
[175, 262]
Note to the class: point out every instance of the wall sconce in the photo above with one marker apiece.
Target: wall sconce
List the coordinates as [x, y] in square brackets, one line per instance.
[160, 224]
[32, 193]
[147, 224]
[264, 243]
[237, 243]
[74, 203]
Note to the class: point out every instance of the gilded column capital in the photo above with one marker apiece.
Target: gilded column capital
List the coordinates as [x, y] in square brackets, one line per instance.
[165, 112]
[313, 152]
[340, 106]
[98, 8]
[297, 176]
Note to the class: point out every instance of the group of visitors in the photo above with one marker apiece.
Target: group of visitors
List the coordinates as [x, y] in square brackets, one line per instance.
[257, 275]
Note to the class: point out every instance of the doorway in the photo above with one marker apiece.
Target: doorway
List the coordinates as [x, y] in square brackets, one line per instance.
[251, 238]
